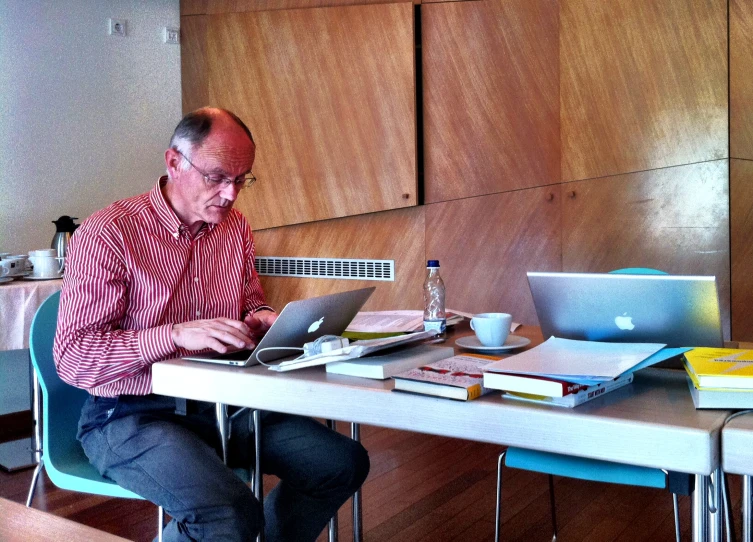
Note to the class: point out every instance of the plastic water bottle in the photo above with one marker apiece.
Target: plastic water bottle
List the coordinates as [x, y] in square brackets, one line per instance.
[434, 313]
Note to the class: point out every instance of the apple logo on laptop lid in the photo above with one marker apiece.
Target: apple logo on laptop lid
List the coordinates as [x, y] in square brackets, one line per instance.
[313, 327]
[625, 322]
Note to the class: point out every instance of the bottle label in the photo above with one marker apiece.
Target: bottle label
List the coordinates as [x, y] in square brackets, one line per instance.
[439, 325]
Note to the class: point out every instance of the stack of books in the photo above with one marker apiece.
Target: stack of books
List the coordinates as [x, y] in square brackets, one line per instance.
[720, 377]
[568, 373]
[457, 377]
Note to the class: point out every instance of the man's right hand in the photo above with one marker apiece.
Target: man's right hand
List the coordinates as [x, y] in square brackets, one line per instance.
[220, 334]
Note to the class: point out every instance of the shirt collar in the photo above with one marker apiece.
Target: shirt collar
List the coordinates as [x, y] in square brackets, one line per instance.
[167, 216]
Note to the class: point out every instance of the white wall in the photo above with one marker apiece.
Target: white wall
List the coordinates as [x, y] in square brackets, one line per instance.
[85, 117]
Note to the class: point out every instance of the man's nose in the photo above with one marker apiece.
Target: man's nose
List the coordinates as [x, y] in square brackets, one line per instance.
[230, 191]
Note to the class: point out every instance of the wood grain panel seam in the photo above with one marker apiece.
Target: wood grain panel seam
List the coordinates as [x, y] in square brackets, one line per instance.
[646, 170]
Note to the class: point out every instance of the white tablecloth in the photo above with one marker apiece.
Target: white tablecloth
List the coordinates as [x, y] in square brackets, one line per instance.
[19, 301]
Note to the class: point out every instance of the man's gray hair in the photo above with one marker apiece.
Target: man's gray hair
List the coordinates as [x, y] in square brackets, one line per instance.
[194, 128]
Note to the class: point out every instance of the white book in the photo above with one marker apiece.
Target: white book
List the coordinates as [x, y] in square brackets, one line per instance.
[726, 398]
[575, 399]
[567, 359]
[387, 365]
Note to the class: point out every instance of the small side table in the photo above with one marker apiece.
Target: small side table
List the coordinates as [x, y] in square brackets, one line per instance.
[19, 301]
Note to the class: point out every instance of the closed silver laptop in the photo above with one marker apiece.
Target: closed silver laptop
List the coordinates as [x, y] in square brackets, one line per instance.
[299, 322]
[677, 310]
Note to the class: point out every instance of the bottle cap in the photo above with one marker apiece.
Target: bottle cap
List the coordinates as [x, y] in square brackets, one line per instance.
[432, 263]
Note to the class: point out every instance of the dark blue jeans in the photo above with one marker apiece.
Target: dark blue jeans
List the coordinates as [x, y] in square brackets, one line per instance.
[174, 461]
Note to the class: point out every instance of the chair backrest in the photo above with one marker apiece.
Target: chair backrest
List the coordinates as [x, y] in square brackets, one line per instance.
[61, 403]
[638, 271]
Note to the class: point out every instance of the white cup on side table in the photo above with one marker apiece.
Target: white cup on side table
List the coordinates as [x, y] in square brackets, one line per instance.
[492, 328]
[47, 267]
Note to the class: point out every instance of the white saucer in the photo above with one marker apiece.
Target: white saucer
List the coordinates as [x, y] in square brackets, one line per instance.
[3, 280]
[30, 277]
[471, 342]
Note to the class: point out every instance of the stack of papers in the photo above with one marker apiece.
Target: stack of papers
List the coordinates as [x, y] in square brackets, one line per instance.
[403, 321]
[353, 351]
[585, 362]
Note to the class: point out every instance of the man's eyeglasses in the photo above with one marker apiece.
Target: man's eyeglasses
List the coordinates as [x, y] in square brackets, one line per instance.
[217, 181]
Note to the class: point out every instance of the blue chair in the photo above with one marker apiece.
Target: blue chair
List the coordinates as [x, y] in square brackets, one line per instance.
[61, 454]
[582, 468]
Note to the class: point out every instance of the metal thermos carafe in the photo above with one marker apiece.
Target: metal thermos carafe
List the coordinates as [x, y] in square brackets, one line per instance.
[64, 229]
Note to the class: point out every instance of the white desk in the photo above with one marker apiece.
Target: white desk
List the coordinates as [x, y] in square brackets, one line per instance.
[652, 423]
[737, 458]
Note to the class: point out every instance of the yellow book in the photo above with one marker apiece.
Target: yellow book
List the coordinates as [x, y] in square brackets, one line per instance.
[729, 368]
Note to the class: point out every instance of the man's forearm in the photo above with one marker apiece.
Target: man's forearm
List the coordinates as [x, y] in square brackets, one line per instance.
[88, 359]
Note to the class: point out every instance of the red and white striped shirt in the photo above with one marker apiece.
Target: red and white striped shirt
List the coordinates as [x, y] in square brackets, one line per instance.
[133, 271]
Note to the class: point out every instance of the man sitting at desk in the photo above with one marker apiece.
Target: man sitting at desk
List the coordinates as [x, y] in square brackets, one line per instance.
[167, 273]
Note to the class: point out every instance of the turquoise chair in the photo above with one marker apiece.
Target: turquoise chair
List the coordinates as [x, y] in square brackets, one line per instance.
[61, 454]
[582, 468]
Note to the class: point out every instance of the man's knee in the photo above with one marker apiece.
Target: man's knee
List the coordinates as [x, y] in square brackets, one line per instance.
[240, 515]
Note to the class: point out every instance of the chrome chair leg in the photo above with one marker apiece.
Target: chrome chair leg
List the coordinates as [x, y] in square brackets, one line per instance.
[332, 528]
[676, 508]
[160, 522]
[257, 478]
[355, 434]
[34, 479]
[36, 404]
[498, 511]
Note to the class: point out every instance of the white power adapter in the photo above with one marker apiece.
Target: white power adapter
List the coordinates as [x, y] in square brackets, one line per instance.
[324, 344]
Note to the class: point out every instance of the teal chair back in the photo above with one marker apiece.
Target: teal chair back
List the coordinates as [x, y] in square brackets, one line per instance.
[638, 271]
[62, 455]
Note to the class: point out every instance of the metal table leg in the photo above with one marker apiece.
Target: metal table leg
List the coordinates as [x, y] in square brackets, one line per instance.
[355, 434]
[746, 511]
[257, 483]
[333, 527]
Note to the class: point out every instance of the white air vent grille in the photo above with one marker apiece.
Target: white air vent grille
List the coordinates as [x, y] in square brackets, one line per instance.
[326, 268]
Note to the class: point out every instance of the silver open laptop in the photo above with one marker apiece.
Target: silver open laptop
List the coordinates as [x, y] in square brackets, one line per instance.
[299, 322]
[678, 310]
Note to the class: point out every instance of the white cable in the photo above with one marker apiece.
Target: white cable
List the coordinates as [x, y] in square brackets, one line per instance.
[258, 354]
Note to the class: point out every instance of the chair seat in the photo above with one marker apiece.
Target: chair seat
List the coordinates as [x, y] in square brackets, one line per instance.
[585, 469]
[81, 476]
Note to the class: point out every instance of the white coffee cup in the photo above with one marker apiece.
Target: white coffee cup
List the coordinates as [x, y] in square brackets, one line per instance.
[47, 266]
[44, 252]
[492, 328]
[12, 267]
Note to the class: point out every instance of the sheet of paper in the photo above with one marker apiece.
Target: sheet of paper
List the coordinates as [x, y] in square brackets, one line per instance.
[387, 321]
[565, 358]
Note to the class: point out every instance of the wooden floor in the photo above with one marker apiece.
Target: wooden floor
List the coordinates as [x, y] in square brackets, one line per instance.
[426, 488]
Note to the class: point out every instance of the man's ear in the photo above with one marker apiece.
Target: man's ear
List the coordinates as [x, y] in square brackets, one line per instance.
[173, 160]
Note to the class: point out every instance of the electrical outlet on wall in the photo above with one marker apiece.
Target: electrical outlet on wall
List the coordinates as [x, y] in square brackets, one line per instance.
[172, 35]
[116, 27]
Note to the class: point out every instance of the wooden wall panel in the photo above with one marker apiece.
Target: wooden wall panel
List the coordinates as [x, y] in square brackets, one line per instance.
[202, 7]
[643, 84]
[741, 243]
[391, 235]
[740, 80]
[193, 35]
[674, 219]
[330, 96]
[486, 245]
[491, 96]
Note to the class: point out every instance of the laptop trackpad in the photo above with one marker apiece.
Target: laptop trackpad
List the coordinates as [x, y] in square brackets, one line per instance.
[240, 355]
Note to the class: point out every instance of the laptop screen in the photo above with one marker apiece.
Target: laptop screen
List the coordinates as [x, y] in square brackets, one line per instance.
[677, 310]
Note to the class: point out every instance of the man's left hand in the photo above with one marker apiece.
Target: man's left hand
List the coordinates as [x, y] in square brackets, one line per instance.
[259, 322]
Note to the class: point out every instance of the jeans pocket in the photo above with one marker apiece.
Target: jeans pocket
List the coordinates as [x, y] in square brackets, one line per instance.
[97, 411]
